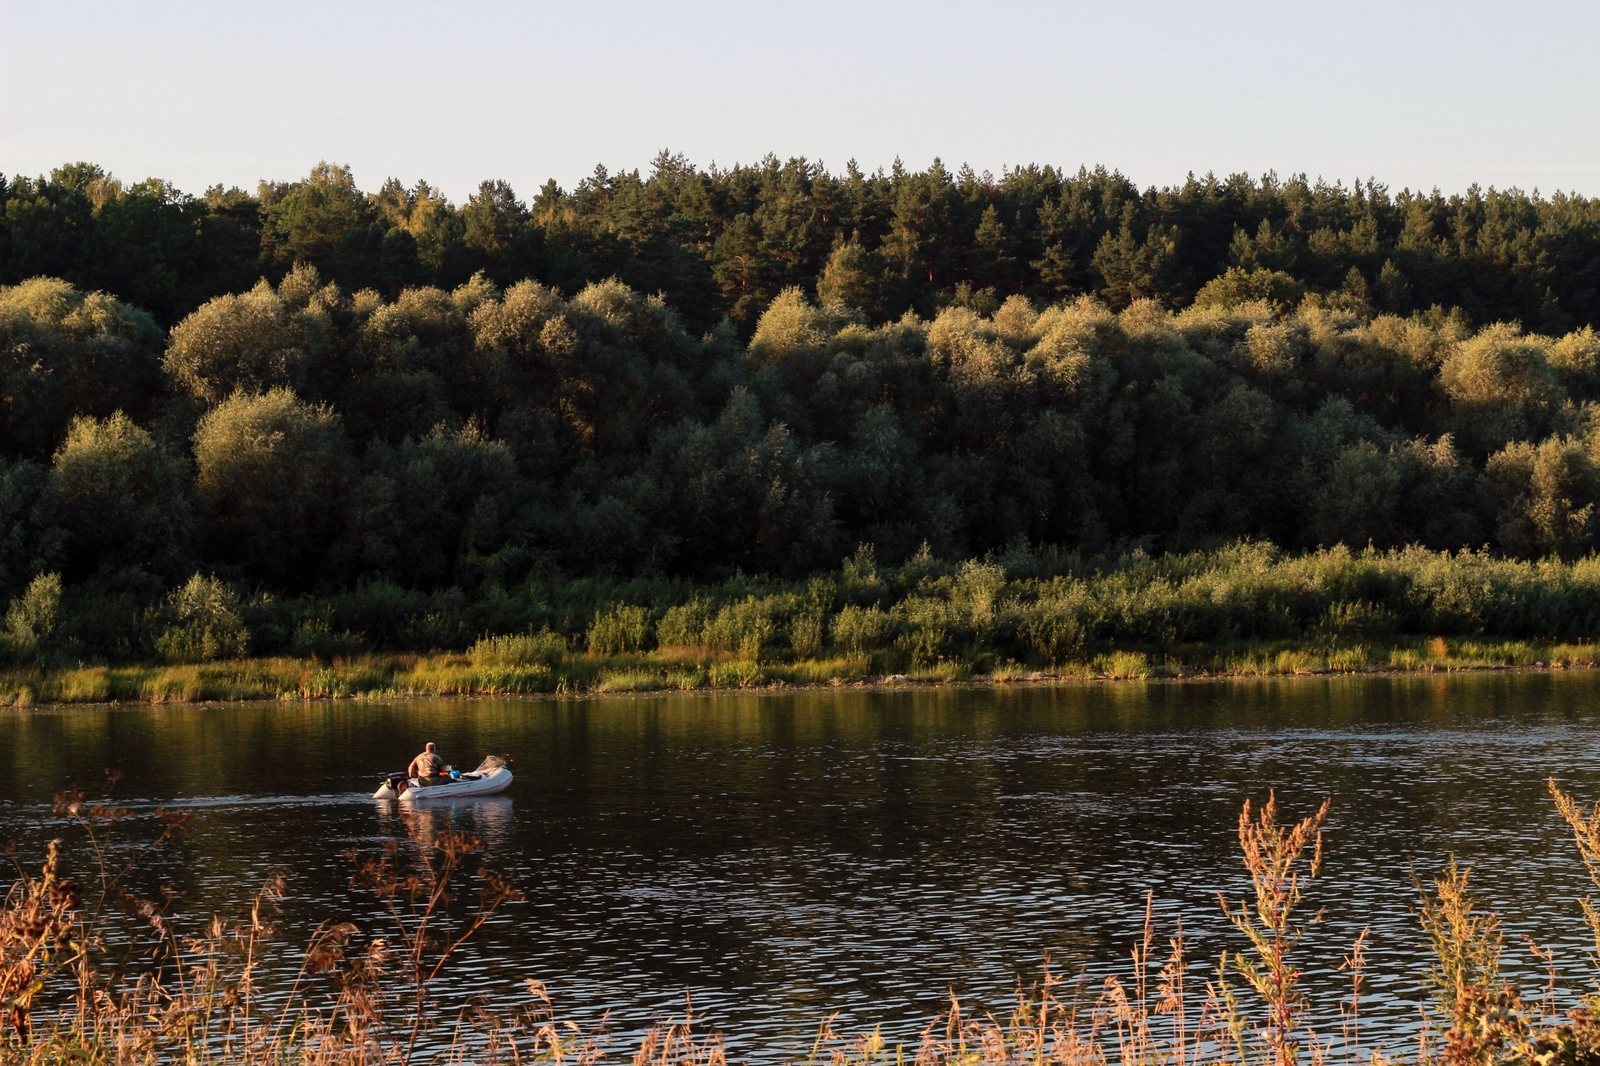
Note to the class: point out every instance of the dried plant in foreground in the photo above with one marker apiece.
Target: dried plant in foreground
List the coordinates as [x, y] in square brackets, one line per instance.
[104, 977]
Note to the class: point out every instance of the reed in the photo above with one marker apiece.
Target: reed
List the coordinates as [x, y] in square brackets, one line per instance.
[1248, 608]
[544, 648]
[834, 669]
[940, 670]
[1123, 666]
[1006, 673]
[537, 664]
[631, 681]
[735, 673]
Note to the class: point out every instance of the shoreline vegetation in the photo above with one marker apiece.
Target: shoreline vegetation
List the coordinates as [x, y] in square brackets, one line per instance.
[97, 966]
[679, 670]
[1248, 610]
[317, 441]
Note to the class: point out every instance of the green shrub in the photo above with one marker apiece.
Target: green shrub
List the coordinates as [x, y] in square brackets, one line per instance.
[543, 648]
[315, 637]
[808, 634]
[33, 617]
[835, 670]
[745, 627]
[685, 626]
[687, 680]
[101, 620]
[1056, 626]
[925, 625]
[447, 628]
[1125, 665]
[201, 623]
[1006, 672]
[624, 628]
[977, 593]
[859, 577]
[862, 629]
[1358, 619]
[388, 616]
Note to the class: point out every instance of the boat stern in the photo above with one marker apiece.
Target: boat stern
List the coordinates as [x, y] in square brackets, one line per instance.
[393, 787]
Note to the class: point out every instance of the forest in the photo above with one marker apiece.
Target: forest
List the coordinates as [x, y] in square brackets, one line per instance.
[383, 417]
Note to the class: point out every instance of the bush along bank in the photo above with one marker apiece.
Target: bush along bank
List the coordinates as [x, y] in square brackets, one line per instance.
[1244, 610]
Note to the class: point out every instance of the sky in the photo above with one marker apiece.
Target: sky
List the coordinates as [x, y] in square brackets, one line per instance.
[1417, 95]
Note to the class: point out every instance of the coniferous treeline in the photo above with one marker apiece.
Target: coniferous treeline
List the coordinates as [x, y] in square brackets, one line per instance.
[487, 405]
[725, 242]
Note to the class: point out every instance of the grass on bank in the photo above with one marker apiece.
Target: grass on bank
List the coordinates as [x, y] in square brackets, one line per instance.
[378, 676]
[1245, 610]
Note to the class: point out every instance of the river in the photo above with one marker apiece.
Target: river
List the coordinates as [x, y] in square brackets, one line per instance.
[782, 857]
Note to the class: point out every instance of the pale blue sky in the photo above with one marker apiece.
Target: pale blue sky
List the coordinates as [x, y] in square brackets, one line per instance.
[1414, 94]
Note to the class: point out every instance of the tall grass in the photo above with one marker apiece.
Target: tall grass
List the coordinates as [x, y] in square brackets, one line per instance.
[543, 648]
[72, 991]
[479, 674]
[1248, 610]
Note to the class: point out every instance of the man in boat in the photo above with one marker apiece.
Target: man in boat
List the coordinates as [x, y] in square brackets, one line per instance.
[428, 768]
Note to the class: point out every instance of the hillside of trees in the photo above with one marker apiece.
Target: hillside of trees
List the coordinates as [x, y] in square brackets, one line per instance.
[312, 389]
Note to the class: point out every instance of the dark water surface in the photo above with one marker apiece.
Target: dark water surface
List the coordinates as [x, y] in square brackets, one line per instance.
[787, 856]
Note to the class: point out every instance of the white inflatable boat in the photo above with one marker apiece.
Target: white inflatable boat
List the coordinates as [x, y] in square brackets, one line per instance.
[493, 776]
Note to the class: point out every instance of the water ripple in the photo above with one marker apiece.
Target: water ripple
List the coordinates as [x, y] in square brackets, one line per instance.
[785, 857]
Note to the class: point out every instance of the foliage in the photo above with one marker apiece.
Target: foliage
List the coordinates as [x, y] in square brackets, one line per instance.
[271, 471]
[438, 420]
[119, 499]
[543, 648]
[624, 628]
[730, 241]
[199, 621]
[33, 618]
[250, 342]
[861, 629]
[65, 353]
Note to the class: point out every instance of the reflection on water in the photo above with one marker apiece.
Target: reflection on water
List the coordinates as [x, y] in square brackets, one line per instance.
[488, 819]
[788, 856]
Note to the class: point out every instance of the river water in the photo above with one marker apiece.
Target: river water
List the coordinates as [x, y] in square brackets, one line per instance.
[784, 857]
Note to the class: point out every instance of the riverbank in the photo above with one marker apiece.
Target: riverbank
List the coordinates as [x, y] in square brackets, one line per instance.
[1243, 610]
[500, 672]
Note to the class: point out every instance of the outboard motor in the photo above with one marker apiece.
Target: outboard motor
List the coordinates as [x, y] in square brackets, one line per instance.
[399, 783]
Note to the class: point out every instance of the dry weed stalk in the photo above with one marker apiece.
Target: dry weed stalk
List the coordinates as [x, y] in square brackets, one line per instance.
[1276, 858]
[36, 936]
[69, 992]
[417, 903]
[1586, 832]
[1151, 1016]
[1354, 964]
[1493, 1026]
[1159, 1028]
[1467, 942]
[196, 999]
[675, 1043]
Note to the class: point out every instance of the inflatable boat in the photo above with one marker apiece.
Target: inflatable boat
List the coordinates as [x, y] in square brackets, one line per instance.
[493, 776]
